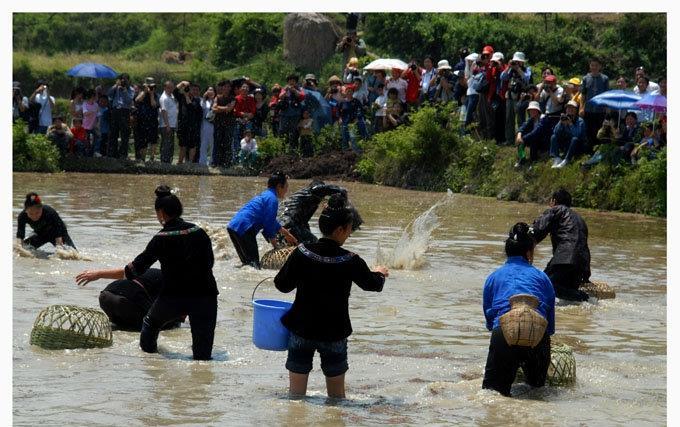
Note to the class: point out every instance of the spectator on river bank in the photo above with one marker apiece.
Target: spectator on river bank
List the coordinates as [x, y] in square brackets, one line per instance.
[147, 105]
[42, 98]
[167, 121]
[121, 97]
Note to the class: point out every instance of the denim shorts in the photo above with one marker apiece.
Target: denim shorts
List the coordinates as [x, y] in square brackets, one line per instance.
[301, 353]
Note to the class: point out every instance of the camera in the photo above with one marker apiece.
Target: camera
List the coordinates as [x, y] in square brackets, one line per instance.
[334, 90]
[564, 117]
[187, 89]
[513, 63]
[413, 66]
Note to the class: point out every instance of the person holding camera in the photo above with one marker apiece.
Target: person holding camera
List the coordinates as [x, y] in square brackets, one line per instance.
[224, 122]
[427, 75]
[59, 134]
[146, 104]
[412, 75]
[190, 117]
[290, 103]
[553, 96]
[534, 134]
[569, 133]
[516, 77]
[19, 104]
[167, 122]
[122, 96]
[42, 97]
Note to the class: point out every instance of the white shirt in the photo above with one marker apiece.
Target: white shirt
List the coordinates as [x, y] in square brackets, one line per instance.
[651, 88]
[426, 77]
[45, 110]
[249, 147]
[549, 106]
[168, 103]
[400, 84]
[380, 102]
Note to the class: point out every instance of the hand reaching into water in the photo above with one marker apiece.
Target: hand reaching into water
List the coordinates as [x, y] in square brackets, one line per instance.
[87, 276]
[383, 270]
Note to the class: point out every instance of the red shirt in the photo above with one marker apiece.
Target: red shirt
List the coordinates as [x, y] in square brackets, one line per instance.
[413, 85]
[79, 134]
[244, 104]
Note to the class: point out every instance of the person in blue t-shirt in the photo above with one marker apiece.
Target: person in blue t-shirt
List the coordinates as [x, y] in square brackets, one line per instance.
[516, 277]
[259, 214]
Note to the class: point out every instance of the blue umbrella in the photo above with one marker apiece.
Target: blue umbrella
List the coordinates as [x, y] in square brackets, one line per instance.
[92, 70]
[616, 99]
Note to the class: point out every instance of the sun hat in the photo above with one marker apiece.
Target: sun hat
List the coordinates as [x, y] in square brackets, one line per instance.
[472, 57]
[519, 56]
[575, 81]
[572, 103]
[334, 79]
[497, 56]
[443, 65]
[310, 76]
[534, 105]
[149, 81]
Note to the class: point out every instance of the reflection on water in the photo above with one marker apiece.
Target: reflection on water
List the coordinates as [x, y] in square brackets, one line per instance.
[419, 347]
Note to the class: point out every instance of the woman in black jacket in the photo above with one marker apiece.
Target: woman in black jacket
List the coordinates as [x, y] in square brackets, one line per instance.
[45, 222]
[185, 253]
[323, 273]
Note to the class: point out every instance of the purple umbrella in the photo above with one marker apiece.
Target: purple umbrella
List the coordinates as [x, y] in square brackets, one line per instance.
[656, 103]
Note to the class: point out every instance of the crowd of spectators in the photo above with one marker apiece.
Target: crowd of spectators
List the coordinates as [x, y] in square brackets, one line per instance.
[219, 125]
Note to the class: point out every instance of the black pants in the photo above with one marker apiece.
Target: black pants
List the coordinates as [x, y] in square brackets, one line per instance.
[120, 125]
[146, 134]
[223, 136]
[593, 124]
[202, 312]
[566, 279]
[121, 311]
[246, 247]
[38, 240]
[504, 360]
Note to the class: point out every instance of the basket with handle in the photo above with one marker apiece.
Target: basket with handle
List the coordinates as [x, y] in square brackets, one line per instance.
[275, 258]
[599, 290]
[60, 327]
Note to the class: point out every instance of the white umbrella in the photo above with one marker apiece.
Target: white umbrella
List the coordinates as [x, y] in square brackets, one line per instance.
[386, 64]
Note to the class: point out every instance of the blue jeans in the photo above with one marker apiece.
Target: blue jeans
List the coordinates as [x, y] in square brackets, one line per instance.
[560, 139]
[348, 138]
[471, 106]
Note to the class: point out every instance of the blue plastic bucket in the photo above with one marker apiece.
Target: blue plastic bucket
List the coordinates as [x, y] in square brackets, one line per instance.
[268, 331]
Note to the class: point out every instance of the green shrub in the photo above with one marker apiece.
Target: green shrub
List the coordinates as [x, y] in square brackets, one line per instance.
[328, 139]
[241, 36]
[270, 147]
[32, 152]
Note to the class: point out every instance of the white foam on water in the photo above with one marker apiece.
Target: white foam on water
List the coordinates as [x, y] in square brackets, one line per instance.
[414, 240]
[221, 243]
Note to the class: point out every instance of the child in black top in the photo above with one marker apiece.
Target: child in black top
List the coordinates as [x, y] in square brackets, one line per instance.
[45, 222]
[185, 253]
[323, 273]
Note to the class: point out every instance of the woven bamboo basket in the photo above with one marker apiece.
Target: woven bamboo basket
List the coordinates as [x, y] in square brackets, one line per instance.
[59, 327]
[562, 369]
[275, 258]
[599, 290]
[523, 325]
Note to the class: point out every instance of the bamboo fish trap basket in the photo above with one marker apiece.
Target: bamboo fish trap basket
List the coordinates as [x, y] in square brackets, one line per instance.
[59, 327]
[599, 290]
[275, 258]
[523, 325]
[562, 368]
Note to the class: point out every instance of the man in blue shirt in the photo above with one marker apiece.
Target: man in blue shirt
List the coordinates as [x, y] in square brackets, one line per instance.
[259, 214]
[570, 132]
[593, 84]
[517, 276]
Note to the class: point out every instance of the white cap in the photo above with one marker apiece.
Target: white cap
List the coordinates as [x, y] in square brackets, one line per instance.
[497, 56]
[472, 57]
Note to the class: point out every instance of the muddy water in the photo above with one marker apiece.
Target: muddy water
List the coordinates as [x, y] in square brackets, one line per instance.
[418, 352]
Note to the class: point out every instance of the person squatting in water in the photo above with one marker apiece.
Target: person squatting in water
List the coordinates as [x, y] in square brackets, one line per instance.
[46, 223]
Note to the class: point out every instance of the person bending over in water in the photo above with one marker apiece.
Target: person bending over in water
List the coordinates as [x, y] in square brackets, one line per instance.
[45, 222]
[299, 208]
[570, 264]
[124, 301]
[259, 214]
[323, 273]
[186, 257]
[517, 277]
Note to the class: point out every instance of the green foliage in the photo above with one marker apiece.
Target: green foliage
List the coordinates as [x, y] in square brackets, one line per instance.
[159, 40]
[328, 139]
[270, 147]
[32, 152]
[242, 36]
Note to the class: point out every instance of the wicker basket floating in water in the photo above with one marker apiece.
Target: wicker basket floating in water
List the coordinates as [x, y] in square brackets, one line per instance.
[599, 290]
[275, 258]
[562, 369]
[59, 327]
[523, 325]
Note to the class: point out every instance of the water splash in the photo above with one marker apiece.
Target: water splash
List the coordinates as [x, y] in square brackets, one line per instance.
[61, 252]
[221, 243]
[414, 241]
